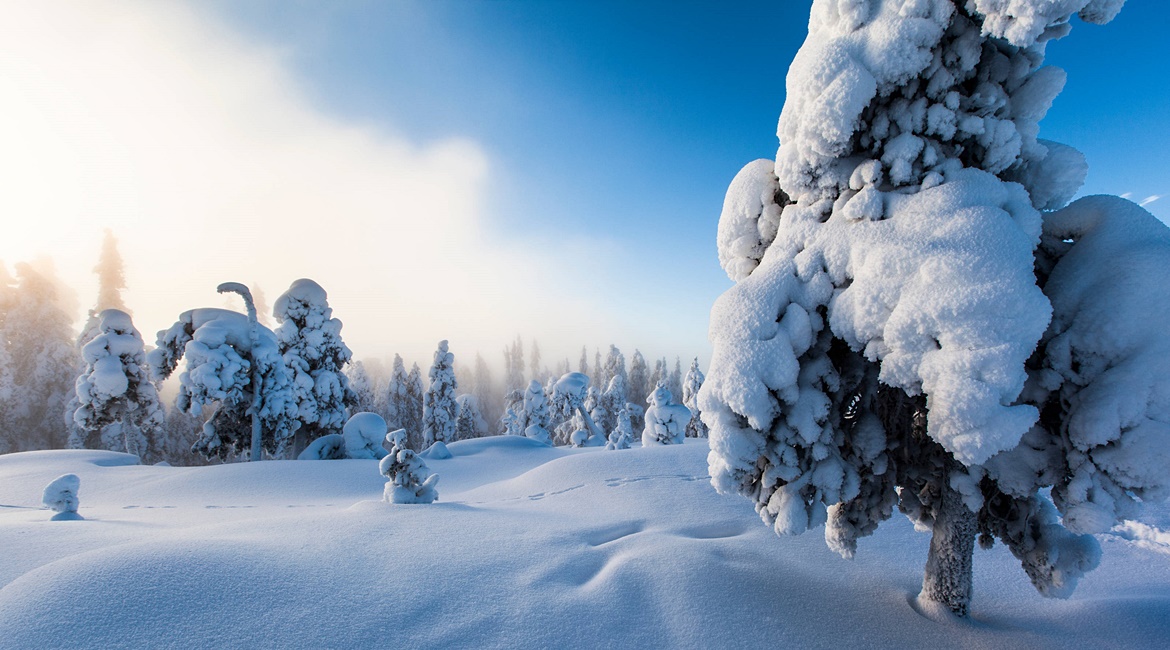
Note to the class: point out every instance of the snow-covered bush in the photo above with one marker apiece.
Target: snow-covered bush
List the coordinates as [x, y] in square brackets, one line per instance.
[409, 480]
[439, 407]
[363, 434]
[310, 341]
[219, 365]
[61, 496]
[887, 307]
[117, 406]
[622, 435]
[666, 420]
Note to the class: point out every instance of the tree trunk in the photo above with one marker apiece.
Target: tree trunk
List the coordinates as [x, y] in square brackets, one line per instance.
[948, 577]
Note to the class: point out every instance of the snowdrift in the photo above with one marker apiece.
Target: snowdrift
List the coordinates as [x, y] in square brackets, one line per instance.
[528, 546]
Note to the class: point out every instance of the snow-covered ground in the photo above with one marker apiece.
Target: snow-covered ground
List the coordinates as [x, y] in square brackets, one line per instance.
[528, 546]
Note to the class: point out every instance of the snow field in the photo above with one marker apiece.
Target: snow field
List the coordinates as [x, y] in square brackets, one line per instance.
[529, 546]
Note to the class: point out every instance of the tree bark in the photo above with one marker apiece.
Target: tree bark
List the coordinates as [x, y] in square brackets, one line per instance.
[948, 577]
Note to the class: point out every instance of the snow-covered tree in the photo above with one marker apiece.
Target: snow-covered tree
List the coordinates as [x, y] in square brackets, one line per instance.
[514, 365]
[614, 400]
[117, 405]
[409, 480]
[111, 281]
[487, 393]
[675, 380]
[515, 420]
[415, 397]
[469, 423]
[536, 413]
[310, 341]
[615, 364]
[638, 386]
[666, 420]
[690, 393]
[534, 362]
[623, 432]
[180, 432]
[659, 376]
[38, 362]
[888, 339]
[217, 347]
[439, 407]
[395, 396]
[597, 377]
[362, 387]
[569, 393]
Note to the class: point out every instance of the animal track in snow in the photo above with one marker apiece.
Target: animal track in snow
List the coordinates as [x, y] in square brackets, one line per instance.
[616, 482]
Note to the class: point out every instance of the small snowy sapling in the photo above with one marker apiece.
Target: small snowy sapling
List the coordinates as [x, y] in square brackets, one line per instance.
[666, 421]
[61, 496]
[409, 481]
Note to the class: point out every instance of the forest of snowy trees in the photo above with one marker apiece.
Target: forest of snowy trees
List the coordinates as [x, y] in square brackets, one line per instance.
[104, 388]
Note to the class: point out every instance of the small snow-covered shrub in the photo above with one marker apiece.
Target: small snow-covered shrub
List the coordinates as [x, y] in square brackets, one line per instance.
[409, 480]
[623, 433]
[61, 496]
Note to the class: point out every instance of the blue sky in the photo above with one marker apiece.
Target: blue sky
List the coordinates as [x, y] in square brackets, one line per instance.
[627, 119]
[582, 150]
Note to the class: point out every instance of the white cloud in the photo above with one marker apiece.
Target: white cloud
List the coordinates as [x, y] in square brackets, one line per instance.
[1150, 199]
[198, 149]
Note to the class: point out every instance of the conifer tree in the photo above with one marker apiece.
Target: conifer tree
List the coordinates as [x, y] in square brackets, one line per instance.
[310, 342]
[118, 407]
[439, 408]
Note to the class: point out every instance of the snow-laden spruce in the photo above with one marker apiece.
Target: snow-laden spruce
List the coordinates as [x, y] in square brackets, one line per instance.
[469, 423]
[62, 497]
[887, 311]
[217, 347]
[439, 407]
[409, 480]
[117, 406]
[310, 341]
